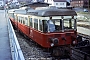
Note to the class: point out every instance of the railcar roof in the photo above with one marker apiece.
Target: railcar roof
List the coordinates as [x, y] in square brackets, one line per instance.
[45, 12]
[19, 11]
[52, 12]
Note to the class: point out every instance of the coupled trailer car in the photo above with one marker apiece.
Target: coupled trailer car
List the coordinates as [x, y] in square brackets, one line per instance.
[49, 27]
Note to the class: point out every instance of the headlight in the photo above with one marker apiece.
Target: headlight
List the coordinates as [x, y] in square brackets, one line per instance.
[52, 44]
[74, 42]
[54, 41]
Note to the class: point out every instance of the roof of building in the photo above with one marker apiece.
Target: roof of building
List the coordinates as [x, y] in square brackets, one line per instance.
[37, 4]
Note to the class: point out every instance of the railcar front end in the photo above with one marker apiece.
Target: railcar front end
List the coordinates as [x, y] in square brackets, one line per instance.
[58, 31]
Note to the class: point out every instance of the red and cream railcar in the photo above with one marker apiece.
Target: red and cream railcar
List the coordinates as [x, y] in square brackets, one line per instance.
[48, 27]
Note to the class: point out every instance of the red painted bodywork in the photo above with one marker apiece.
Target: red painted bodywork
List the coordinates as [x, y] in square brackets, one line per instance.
[43, 38]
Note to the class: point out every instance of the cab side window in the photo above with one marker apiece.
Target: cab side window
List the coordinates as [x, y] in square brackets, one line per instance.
[45, 27]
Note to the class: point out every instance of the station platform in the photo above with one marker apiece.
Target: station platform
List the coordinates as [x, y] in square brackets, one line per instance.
[84, 23]
[83, 30]
[5, 50]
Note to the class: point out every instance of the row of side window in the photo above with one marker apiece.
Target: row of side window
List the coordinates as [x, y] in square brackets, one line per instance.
[36, 23]
[32, 22]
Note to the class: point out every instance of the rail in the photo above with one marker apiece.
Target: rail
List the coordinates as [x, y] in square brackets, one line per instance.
[80, 53]
[84, 36]
[15, 47]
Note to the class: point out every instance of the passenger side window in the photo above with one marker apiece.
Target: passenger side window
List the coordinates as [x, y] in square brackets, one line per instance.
[31, 22]
[21, 20]
[40, 25]
[36, 24]
[18, 19]
[26, 21]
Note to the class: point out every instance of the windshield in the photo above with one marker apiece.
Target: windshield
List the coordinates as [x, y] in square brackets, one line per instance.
[68, 24]
[54, 25]
[57, 25]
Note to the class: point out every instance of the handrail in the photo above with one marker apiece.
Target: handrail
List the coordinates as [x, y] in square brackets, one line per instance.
[15, 47]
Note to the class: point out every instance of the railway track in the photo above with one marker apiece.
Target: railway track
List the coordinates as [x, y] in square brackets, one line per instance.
[83, 40]
[84, 37]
